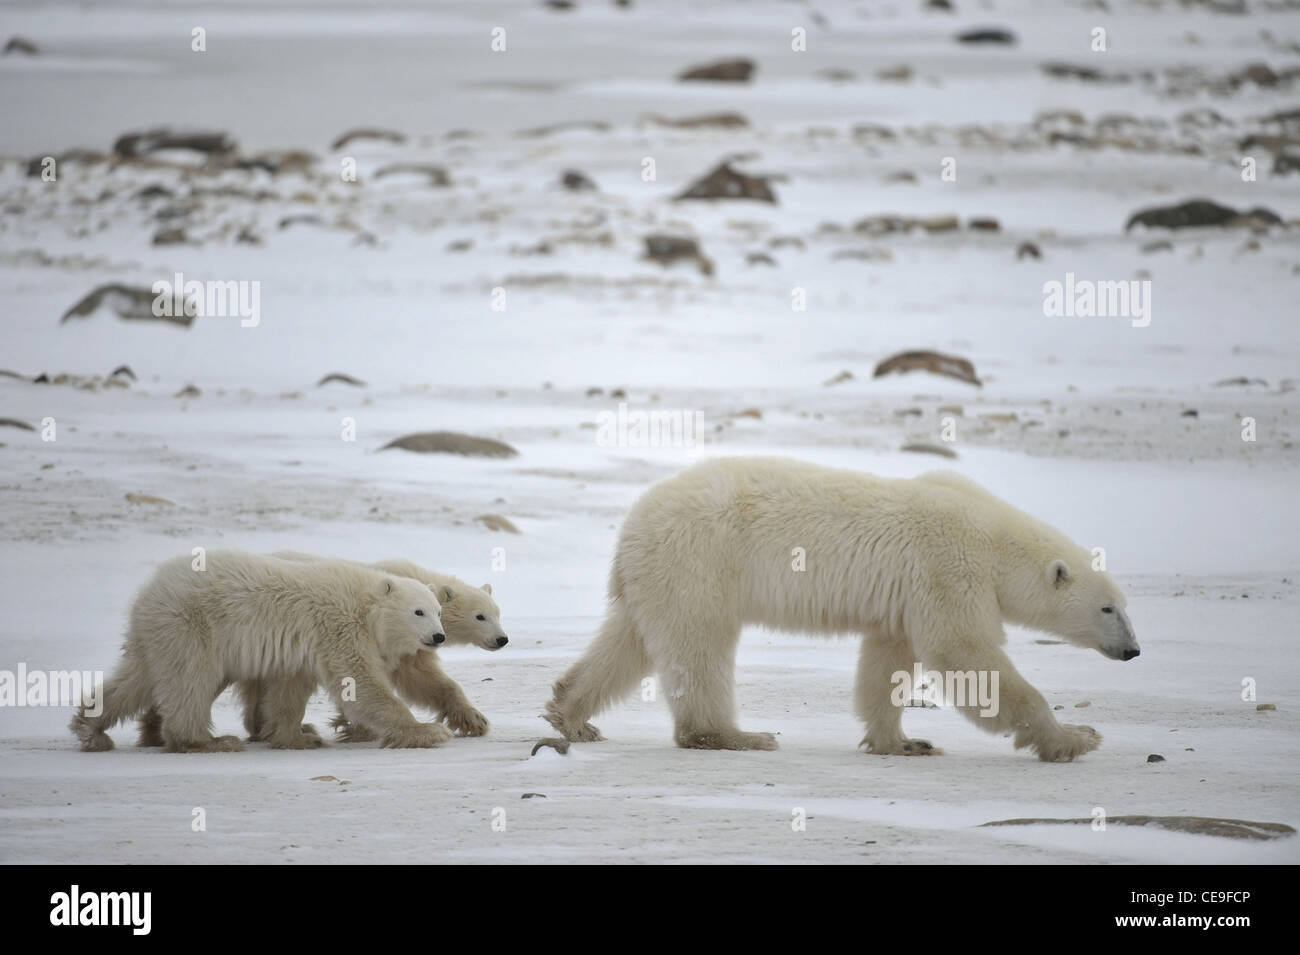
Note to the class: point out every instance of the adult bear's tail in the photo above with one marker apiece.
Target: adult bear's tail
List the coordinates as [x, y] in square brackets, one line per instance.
[612, 666]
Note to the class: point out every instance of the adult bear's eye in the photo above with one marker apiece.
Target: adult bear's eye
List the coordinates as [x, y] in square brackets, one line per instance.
[419, 613]
[480, 617]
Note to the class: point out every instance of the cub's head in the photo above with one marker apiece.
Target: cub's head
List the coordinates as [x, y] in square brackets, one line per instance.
[1087, 609]
[472, 616]
[410, 615]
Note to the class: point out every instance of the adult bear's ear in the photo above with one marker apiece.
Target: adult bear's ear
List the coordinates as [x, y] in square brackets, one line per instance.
[448, 595]
[1058, 573]
[486, 588]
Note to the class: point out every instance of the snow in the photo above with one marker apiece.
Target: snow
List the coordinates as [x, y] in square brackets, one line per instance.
[1200, 527]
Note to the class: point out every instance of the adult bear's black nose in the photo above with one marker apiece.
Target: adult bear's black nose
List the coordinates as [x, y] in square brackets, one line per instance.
[502, 641]
[1130, 654]
[439, 638]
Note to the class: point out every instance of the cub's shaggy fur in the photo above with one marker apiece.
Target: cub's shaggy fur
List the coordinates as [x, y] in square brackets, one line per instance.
[245, 616]
[469, 616]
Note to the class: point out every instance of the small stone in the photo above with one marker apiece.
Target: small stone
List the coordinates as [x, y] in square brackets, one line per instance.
[1082, 704]
[1155, 758]
[1266, 706]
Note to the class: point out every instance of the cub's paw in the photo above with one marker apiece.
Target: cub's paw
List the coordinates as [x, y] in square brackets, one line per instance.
[419, 736]
[309, 730]
[227, 744]
[727, 739]
[351, 732]
[1070, 742]
[902, 747]
[296, 741]
[467, 722]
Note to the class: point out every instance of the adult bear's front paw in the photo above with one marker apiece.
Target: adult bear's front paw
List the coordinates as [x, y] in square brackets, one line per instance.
[1070, 742]
[419, 736]
[467, 722]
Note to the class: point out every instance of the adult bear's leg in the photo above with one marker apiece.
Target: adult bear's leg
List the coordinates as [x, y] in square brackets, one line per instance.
[880, 658]
[607, 671]
[1014, 706]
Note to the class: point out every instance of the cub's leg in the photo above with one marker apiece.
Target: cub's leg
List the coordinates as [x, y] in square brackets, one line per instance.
[189, 677]
[880, 658]
[127, 693]
[374, 707]
[420, 680]
[151, 729]
[283, 705]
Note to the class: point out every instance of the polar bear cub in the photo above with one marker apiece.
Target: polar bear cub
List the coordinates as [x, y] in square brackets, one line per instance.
[469, 616]
[926, 570]
[198, 626]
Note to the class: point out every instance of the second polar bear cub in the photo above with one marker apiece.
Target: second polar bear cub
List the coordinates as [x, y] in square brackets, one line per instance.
[469, 616]
[926, 570]
[197, 627]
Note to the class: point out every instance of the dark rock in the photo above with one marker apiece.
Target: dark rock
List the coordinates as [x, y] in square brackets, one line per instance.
[342, 378]
[18, 44]
[724, 71]
[705, 121]
[134, 145]
[984, 225]
[989, 35]
[937, 364]
[668, 249]
[1199, 212]
[1155, 758]
[435, 175]
[1196, 825]
[452, 442]
[15, 423]
[727, 183]
[384, 135]
[575, 181]
[170, 236]
[129, 303]
[1027, 250]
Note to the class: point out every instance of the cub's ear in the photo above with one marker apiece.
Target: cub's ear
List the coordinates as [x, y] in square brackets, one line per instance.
[447, 595]
[1058, 573]
[486, 588]
[385, 587]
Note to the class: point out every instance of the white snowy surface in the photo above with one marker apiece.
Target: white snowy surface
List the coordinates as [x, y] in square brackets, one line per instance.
[1200, 527]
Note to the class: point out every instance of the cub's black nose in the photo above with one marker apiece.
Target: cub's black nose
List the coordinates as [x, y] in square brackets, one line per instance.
[440, 637]
[1130, 654]
[502, 641]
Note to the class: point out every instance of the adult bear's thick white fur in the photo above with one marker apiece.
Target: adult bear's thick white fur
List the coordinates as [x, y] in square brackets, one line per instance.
[926, 569]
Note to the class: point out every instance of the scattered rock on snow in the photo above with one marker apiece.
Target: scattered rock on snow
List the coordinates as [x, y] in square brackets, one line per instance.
[925, 447]
[130, 303]
[723, 71]
[452, 442]
[727, 183]
[1155, 758]
[133, 498]
[18, 44]
[341, 378]
[933, 362]
[137, 144]
[667, 249]
[988, 35]
[384, 135]
[495, 522]
[1200, 212]
[15, 423]
[1197, 825]
[556, 743]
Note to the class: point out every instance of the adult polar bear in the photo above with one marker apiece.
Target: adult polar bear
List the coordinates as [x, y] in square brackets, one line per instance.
[926, 569]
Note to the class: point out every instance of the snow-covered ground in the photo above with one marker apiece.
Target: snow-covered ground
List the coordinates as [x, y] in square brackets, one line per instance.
[1082, 421]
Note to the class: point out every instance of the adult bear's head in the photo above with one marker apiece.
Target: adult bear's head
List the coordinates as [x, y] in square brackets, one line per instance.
[1087, 609]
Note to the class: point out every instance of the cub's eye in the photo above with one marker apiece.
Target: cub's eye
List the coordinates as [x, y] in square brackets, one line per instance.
[1107, 609]
[419, 613]
[480, 617]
